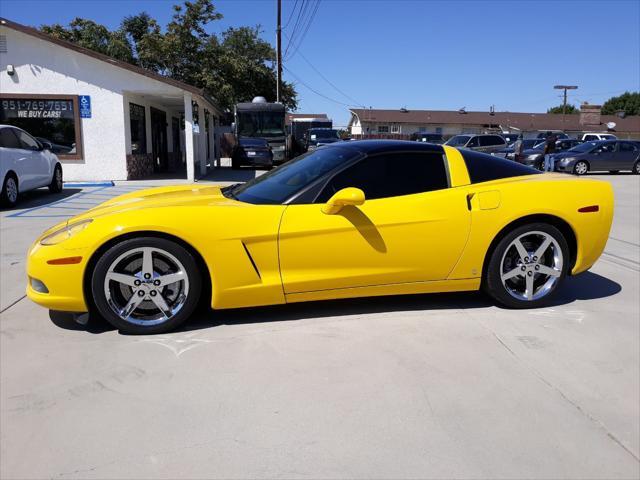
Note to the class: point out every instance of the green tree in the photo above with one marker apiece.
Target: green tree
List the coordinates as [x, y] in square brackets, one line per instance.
[558, 109]
[94, 36]
[628, 102]
[235, 66]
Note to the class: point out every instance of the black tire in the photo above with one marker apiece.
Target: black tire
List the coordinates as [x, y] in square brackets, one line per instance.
[578, 168]
[7, 198]
[56, 181]
[636, 168]
[492, 282]
[179, 252]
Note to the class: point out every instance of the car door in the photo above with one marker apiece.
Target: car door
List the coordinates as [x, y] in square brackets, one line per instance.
[600, 158]
[473, 144]
[626, 155]
[36, 163]
[412, 227]
[10, 153]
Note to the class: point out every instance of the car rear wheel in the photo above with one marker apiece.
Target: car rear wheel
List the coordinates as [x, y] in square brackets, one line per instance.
[580, 168]
[9, 195]
[527, 266]
[146, 285]
[56, 182]
[636, 168]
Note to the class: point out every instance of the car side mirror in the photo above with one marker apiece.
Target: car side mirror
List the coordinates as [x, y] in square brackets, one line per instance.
[46, 146]
[342, 198]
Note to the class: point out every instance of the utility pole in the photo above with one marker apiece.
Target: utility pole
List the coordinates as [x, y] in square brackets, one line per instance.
[564, 103]
[279, 49]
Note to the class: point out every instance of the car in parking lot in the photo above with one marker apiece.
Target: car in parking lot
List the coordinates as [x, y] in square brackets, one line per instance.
[252, 151]
[427, 137]
[509, 153]
[603, 155]
[355, 219]
[486, 143]
[594, 137]
[317, 137]
[534, 157]
[25, 164]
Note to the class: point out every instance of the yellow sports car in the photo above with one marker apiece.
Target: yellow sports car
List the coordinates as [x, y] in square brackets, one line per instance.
[348, 220]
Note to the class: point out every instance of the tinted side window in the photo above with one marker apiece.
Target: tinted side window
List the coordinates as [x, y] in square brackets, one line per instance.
[27, 141]
[490, 140]
[473, 142]
[391, 175]
[8, 138]
[627, 147]
[483, 167]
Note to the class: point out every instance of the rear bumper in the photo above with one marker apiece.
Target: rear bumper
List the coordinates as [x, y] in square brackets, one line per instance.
[63, 282]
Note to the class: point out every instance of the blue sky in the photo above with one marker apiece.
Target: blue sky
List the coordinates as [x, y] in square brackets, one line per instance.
[423, 54]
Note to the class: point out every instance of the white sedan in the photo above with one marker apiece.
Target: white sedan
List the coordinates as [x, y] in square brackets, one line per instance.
[25, 164]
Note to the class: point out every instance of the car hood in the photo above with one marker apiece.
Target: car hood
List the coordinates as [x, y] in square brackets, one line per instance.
[173, 196]
[532, 151]
[568, 154]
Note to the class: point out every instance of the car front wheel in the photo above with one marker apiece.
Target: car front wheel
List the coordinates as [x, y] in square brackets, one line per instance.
[636, 168]
[527, 266]
[9, 195]
[56, 181]
[146, 285]
[580, 168]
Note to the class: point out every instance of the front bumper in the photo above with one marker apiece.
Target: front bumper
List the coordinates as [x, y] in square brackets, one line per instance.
[63, 282]
[261, 159]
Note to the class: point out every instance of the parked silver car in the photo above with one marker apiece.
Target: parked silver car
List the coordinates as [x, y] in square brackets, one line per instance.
[482, 143]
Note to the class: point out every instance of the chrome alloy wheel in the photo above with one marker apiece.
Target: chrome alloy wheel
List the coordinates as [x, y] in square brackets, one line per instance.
[531, 266]
[146, 286]
[581, 168]
[12, 190]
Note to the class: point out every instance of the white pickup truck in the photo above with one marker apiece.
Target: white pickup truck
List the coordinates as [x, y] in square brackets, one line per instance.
[593, 137]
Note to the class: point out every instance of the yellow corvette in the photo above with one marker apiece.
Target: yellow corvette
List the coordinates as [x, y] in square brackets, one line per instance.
[348, 220]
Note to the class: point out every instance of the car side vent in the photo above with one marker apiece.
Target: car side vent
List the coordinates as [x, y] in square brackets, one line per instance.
[3, 44]
[253, 264]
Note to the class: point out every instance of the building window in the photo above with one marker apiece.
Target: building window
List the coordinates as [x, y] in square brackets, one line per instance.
[138, 121]
[51, 119]
[395, 128]
[383, 128]
[439, 130]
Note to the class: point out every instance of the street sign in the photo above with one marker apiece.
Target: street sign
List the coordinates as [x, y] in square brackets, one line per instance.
[85, 106]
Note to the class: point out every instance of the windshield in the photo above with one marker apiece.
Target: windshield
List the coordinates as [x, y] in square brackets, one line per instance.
[260, 124]
[458, 140]
[583, 147]
[318, 135]
[280, 184]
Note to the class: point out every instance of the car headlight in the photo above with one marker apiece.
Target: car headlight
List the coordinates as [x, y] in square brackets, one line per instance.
[65, 232]
[278, 148]
[566, 160]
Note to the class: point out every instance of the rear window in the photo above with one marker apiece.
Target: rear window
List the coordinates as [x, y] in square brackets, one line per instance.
[483, 167]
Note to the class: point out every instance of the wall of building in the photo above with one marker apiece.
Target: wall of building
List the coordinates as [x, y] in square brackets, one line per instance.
[43, 67]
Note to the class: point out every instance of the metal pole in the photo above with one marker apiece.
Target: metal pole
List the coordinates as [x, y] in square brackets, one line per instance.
[279, 49]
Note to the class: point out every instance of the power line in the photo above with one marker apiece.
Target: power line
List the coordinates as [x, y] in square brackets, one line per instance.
[326, 79]
[305, 25]
[301, 12]
[317, 92]
[291, 14]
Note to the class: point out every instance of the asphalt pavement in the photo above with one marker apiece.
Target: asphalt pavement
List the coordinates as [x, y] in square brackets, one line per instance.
[424, 386]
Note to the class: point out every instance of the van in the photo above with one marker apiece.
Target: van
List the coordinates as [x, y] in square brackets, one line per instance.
[481, 143]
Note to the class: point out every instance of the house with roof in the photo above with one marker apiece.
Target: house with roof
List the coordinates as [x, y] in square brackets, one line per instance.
[372, 123]
[104, 118]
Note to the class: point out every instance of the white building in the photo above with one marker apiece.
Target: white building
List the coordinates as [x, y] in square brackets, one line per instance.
[106, 119]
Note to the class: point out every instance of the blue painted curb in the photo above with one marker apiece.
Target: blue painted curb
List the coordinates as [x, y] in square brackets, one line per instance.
[88, 184]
